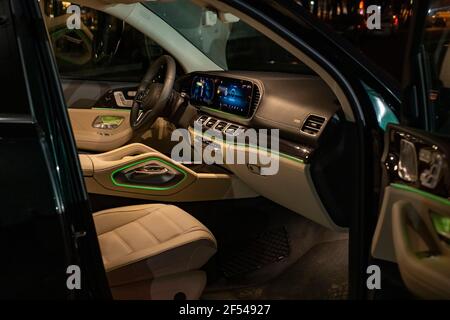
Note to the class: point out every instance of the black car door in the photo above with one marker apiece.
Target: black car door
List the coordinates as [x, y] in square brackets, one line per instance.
[413, 230]
[46, 228]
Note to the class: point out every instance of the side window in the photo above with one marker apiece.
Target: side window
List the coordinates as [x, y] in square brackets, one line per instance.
[15, 101]
[103, 48]
[436, 41]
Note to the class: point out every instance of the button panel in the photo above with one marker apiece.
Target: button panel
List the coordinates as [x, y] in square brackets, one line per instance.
[229, 129]
[225, 127]
[121, 101]
[210, 123]
[202, 119]
[221, 125]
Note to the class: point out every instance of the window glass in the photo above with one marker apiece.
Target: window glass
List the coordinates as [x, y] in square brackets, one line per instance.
[232, 44]
[13, 89]
[436, 41]
[225, 39]
[104, 48]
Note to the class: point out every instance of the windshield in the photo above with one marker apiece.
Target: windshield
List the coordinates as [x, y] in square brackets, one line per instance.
[229, 42]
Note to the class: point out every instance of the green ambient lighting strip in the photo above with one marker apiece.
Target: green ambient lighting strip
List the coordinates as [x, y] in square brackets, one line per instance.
[441, 225]
[422, 193]
[283, 155]
[145, 187]
[111, 120]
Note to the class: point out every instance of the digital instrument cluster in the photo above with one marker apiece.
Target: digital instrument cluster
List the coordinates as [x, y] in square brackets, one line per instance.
[224, 94]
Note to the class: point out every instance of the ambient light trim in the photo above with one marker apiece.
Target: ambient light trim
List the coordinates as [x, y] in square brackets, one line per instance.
[441, 225]
[154, 188]
[425, 194]
[257, 148]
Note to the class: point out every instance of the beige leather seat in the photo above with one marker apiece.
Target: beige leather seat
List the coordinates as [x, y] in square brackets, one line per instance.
[154, 251]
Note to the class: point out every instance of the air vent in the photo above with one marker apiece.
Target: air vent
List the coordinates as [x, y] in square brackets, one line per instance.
[256, 100]
[313, 124]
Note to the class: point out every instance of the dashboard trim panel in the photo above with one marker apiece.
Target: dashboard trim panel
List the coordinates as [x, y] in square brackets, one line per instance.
[250, 146]
[287, 149]
[285, 102]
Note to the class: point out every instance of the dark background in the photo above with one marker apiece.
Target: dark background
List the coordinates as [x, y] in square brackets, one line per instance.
[386, 47]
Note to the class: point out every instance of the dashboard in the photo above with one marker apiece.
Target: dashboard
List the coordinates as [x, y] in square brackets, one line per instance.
[233, 96]
[315, 145]
[302, 107]
[299, 106]
[315, 155]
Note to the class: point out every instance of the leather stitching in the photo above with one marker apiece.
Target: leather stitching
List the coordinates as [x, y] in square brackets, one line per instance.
[130, 249]
[148, 231]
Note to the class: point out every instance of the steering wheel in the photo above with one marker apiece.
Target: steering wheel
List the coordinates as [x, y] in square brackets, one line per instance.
[151, 97]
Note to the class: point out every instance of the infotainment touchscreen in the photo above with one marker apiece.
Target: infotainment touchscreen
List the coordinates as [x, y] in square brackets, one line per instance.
[235, 96]
[202, 92]
[228, 95]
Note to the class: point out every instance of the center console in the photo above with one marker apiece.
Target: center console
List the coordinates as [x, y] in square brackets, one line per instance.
[138, 171]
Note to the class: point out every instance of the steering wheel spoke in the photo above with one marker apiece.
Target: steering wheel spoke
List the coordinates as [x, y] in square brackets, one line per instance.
[140, 115]
[151, 98]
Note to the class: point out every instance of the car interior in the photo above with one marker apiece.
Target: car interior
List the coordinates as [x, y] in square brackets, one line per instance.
[172, 229]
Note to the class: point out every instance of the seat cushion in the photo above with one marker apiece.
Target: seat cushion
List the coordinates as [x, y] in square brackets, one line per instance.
[148, 241]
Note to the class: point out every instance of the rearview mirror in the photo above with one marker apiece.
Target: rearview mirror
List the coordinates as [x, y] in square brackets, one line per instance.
[209, 18]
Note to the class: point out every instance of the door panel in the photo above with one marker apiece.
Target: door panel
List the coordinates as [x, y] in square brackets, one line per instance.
[422, 250]
[413, 228]
[84, 94]
[383, 243]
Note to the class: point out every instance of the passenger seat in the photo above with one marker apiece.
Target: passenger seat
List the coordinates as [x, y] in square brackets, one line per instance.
[154, 252]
